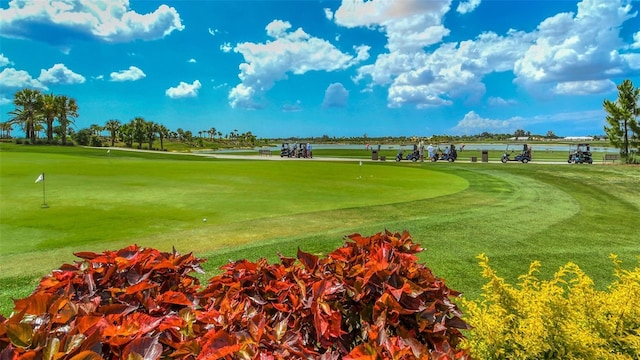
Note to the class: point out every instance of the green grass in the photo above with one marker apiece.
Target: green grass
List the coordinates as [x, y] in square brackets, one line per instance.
[514, 213]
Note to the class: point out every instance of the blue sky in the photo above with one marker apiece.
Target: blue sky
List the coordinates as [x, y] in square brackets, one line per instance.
[337, 68]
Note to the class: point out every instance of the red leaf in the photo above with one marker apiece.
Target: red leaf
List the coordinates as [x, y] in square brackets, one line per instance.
[143, 285]
[218, 345]
[174, 297]
[36, 304]
[362, 352]
[147, 348]
[87, 355]
[308, 260]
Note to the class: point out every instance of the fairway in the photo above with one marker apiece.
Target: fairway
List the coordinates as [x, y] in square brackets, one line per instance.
[515, 213]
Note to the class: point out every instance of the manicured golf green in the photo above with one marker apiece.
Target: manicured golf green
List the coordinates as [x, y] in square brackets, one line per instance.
[515, 213]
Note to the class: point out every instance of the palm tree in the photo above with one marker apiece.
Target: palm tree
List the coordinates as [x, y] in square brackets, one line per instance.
[126, 134]
[163, 132]
[96, 129]
[112, 126]
[27, 114]
[212, 133]
[139, 126]
[6, 128]
[151, 130]
[49, 112]
[67, 111]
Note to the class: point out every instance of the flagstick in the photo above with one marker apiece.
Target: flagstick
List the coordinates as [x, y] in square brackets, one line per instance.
[44, 199]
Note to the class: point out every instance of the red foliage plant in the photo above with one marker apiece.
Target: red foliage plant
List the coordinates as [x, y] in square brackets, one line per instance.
[369, 299]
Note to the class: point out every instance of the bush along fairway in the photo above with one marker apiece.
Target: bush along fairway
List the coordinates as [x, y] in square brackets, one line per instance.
[369, 299]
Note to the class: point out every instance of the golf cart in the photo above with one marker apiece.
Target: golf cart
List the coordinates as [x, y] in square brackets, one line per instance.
[449, 154]
[524, 157]
[580, 154]
[285, 150]
[413, 155]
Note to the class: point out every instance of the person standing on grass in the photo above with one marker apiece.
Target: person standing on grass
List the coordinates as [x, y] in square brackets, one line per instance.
[430, 151]
[421, 150]
[309, 155]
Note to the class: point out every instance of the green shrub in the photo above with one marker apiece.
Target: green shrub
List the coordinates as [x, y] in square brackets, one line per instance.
[561, 318]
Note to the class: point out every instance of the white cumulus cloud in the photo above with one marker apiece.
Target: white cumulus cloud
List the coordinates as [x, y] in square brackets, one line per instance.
[408, 24]
[498, 101]
[184, 90]
[12, 78]
[294, 52]
[576, 47]
[473, 123]
[421, 70]
[58, 22]
[4, 61]
[636, 41]
[335, 96]
[465, 7]
[226, 47]
[131, 74]
[328, 13]
[585, 87]
[60, 74]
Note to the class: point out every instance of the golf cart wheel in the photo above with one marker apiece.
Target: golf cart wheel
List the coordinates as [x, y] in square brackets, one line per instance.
[524, 161]
[450, 159]
[504, 160]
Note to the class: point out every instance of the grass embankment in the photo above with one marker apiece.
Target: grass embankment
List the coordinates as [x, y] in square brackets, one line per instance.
[514, 213]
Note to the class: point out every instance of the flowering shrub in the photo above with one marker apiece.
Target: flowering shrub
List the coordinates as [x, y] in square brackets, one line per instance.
[561, 318]
[369, 299]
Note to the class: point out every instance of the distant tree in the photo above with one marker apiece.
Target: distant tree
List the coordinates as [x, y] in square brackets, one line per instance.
[163, 133]
[551, 135]
[139, 126]
[83, 137]
[67, 111]
[188, 136]
[152, 130]
[112, 126]
[49, 112]
[126, 134]
[96, 129]
[27, 113]
[6, 128]
[519, 133]
[623, 129]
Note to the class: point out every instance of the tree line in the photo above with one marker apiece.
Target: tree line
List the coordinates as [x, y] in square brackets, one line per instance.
[36, 112]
